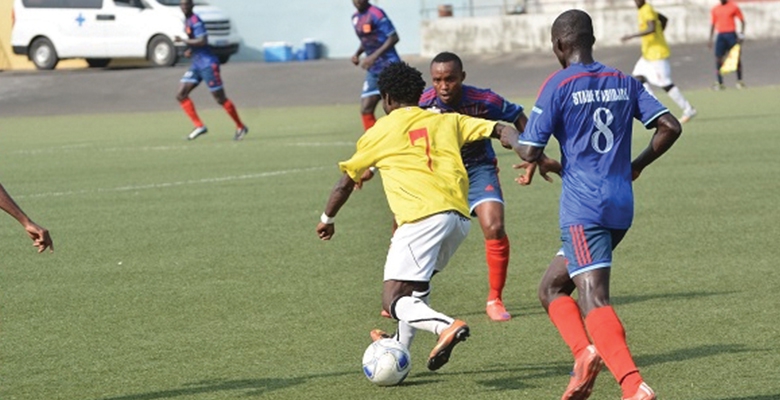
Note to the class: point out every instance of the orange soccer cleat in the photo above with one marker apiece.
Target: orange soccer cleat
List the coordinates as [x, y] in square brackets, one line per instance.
[587, 366]
[440, 355]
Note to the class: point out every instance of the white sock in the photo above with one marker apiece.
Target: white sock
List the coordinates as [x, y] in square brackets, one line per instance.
[405, 332]
[418, 315]
[678, 98]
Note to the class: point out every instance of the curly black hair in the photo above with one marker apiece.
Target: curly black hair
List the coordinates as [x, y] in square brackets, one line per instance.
[403, 83]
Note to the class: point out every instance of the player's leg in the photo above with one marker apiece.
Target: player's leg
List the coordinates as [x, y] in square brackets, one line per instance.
[213, 78]
[486, 201]
[555, 292]
[721, 49]
[369, 98]
[590, 270]
[188, 82]
[663, 79]
[417, 251]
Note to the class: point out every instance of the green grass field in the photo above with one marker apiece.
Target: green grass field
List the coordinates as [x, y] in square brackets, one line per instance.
[191, 270]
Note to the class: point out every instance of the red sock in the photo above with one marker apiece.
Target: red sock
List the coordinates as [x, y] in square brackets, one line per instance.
[565, 315]
[497, 254]
[368, 121]
[231, 110]
[609, 337]
[189, 108]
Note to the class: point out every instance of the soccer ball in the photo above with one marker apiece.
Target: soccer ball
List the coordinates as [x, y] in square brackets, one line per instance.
[386, 362]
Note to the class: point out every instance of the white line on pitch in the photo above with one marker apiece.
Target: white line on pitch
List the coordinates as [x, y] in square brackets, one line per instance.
[173, 184]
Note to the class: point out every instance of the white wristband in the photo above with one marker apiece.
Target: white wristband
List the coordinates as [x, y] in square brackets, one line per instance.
[372, 169]
[326, 219]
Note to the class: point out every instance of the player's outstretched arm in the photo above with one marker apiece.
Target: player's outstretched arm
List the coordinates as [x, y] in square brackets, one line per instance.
[338, 196]
[668, 130]
[39, 235]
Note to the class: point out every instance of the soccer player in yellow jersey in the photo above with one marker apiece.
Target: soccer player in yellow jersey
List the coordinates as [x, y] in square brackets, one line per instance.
[418, 154]
[653, 67]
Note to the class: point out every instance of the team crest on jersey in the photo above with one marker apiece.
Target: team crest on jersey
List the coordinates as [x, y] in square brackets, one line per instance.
[366, 28]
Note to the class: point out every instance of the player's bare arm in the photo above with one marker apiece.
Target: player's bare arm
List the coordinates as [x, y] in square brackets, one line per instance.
[356, 56]
[668, 130]
[39, 235]
[196, 42]
[650, 30]
[387, 45]
[529, 168]
[338, 196]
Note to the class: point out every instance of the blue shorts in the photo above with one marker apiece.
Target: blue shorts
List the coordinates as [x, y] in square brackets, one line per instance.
[210, 74]
[483, 185]
[370, 87]
[724, 42]
[589, 247]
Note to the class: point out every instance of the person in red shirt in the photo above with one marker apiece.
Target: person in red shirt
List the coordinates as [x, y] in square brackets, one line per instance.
[723, 19]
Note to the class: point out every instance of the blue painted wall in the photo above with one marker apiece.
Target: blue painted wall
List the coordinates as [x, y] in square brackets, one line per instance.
[327, 21]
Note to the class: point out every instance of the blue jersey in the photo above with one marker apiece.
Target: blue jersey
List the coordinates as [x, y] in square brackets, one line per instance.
[590, 110]
[480, 103]
[202, 57]
[373, 28]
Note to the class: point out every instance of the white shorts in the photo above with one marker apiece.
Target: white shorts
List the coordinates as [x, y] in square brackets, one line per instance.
[418, 249]
[658, 73]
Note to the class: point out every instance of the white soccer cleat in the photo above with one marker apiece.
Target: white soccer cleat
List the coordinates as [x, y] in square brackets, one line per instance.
[241, 132]
[688, 115]
[201, 130]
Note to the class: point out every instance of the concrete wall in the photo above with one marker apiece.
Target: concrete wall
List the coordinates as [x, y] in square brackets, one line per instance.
[328, 22]
[689, 21]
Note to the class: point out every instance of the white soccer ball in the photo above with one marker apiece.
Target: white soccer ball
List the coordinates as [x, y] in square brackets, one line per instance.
[386, 362]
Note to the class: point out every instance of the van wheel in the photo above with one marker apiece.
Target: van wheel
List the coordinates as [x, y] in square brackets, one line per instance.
[98, 62]
[223, 59]
[43, 54]
[161, 52]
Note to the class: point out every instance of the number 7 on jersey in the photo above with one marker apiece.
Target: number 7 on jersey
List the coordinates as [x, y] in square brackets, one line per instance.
[422, 134]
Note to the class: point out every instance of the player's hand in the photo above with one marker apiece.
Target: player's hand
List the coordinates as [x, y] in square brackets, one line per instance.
[356, 59]
[187, 53]
[526, 178]
[178, 39]
[368, 62]
[740, 38]
[635, 174]
[625, 38]
[40, 237]
[367, 175]
[709, 45]
[325, 231]
[548, 165]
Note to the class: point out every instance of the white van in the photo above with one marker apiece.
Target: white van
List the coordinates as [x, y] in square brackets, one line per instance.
[47, 31]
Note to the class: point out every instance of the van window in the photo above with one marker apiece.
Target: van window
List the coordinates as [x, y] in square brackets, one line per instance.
[63, 3]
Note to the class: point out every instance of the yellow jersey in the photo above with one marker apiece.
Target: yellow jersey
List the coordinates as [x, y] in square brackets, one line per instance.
[654, 45]
[418, 153]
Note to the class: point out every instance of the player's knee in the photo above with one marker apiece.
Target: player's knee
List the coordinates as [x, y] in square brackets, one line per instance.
[180, 97]
[494, 231]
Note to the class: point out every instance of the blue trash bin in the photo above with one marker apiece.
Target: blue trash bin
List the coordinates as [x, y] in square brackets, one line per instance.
[313, 49]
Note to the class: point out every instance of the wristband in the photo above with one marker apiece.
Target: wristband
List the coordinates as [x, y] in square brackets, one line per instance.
[372, 169]
[325, 219]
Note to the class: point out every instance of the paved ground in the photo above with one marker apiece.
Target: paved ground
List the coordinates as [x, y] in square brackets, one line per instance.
[250, 84]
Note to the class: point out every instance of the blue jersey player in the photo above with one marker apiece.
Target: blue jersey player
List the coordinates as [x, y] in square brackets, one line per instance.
[377, 40]
[449, 94]
[590, 108]
[205, 67]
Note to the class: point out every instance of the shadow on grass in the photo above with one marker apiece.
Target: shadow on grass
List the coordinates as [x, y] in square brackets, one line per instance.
[767, 397]
[523, 374]
[536, 308]
[247, 387]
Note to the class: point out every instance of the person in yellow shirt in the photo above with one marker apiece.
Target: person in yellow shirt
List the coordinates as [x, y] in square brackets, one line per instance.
[417, 153]
[653, 68]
